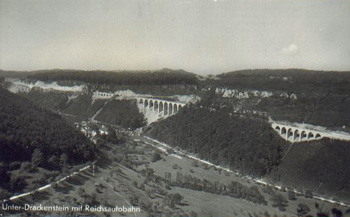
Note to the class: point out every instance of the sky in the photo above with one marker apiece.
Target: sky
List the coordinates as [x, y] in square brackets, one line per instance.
[200, 36]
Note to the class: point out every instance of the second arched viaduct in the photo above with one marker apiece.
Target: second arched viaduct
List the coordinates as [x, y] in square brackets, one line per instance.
[164, 107]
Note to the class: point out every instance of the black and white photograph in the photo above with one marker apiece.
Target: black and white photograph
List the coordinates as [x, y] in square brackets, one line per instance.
[169, 108]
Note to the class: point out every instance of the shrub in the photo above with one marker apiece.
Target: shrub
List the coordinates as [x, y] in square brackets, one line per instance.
[303, 209]
[37, 157]
[155, 157]
[291, 195]
[278, 200]
[308, 193]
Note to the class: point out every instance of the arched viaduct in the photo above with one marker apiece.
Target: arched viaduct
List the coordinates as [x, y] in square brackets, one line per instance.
[164, 107]
[295, 134]
[298, 134]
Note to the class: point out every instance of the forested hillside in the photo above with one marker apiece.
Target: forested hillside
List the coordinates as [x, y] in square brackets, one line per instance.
[160, 77]
[17, 74]
[123, 113]
[327, 110]
[314, 97]
[322, 166]
[246, 145]
[290, 80]
[37, 137]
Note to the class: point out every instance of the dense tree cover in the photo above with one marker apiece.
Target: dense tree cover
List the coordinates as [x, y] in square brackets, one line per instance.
[250, 146]
[48, 99]
[327, 110]
[294, 80]
[322, 98]
[244, 144]
[123, 113]
[331, 110]
[160, 77]
[17, 74]
[26, 126]
[30, 133]
[322, 166]
[157, 90]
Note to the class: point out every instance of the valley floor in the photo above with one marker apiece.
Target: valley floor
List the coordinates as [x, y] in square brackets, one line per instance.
[128, 175]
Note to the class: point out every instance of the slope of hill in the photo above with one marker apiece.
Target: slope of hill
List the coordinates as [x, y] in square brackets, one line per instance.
[17, 74]
[248, 145]
[123, 113]
[29, 133]
[322, 166]
[293, 80]
[295, 95]
[83, 106]
[160, 77]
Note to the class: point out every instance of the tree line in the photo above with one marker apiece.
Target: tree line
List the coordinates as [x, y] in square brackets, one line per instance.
[293, 80]
[30, 134]
[160, 77]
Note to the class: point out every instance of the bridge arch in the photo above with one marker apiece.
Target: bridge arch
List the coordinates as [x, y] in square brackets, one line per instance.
[318, 136]
[310, 135]
[156, 106]
[303, 135]
[283, 131]
[296, 135]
